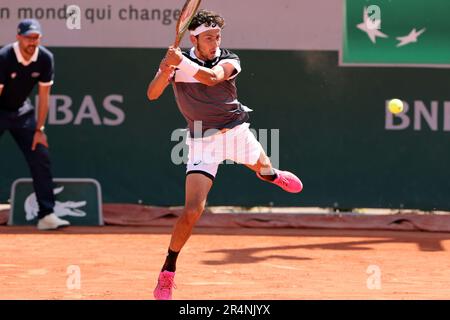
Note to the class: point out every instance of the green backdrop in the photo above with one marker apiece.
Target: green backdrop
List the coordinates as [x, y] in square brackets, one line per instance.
[331, 121]
[398, 18]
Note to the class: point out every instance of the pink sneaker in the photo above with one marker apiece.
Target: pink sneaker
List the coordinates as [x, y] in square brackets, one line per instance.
[286, 181]
[163, 290]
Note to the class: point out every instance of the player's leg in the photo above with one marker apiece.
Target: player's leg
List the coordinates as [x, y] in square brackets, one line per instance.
[197, 188]
[40, 168]
[201, 170]
[200, 173]
[251, 153]
[263, 166]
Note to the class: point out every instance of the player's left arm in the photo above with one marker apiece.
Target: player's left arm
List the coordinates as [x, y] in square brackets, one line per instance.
[45, 84]
[44, 97]
[216, 75]
[219, 73]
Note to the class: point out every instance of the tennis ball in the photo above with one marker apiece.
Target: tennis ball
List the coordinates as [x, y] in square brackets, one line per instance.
[395, 106]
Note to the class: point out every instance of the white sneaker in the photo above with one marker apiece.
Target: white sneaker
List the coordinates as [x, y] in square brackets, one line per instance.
[51, 222]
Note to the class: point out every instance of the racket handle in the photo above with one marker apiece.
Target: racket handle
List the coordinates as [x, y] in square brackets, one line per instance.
[177, 42]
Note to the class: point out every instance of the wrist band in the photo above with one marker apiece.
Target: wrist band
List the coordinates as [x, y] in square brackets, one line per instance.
[188, 66]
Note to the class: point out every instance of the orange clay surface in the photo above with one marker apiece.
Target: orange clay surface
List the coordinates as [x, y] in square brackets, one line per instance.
[233, 263]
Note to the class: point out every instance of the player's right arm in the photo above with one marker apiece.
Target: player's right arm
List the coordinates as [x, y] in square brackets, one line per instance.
[160, 81]
[1, 89]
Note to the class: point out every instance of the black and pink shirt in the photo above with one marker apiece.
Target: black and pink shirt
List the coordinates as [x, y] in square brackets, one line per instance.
[217, 107]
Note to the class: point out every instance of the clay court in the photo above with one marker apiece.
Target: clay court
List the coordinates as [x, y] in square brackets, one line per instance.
[225, 263]
[130, 98]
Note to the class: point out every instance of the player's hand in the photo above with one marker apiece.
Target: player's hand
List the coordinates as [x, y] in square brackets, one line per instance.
[165, 67]
[173, 56]
[39, 138]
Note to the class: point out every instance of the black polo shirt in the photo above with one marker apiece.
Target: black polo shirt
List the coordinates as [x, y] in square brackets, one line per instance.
[18, 77]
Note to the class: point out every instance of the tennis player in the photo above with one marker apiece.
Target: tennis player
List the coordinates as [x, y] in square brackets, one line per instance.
[204, 83]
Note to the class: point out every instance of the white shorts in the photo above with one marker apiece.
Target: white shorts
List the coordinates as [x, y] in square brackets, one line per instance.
[237, 144]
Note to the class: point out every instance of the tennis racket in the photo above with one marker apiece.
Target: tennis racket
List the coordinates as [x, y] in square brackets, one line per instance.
[186, 16]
